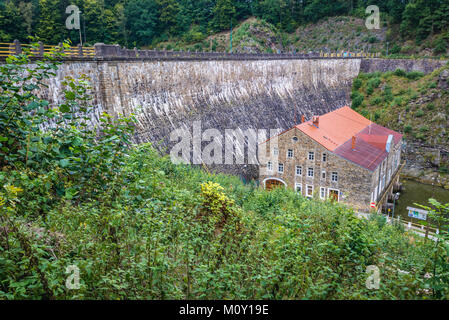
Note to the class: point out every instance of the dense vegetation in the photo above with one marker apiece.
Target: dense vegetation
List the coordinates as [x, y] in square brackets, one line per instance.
[148, 22]
[139, 226]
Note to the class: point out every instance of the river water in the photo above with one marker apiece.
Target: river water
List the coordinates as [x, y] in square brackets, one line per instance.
[415, 192]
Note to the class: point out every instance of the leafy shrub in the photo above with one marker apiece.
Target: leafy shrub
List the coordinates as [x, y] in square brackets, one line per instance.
[357, 99]
[443, 169]
[398, 101]
[395, 49]
[408, 129]
[375, 82]
[419, 113]
[357, 84]
[400, 73]
[440, 45]
[388, 94]
[194, 35]
[415, 75]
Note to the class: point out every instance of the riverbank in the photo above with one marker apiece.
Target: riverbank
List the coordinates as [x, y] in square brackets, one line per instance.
[426, 176]
[415, 192]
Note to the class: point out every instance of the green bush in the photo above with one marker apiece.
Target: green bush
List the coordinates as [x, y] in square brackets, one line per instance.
[388, 94]
[357, 99]
[357, 84]
[415, 75]
[419, 113]
[376, 101]
[194, 35]
[443, 169]
[400, 73]
[375, 82]
[408, 129]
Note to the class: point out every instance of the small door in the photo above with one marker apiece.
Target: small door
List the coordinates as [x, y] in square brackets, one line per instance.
[273, 184]
[333, 195]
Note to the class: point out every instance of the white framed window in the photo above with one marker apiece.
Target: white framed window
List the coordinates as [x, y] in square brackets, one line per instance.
[290, 153]
[310, 172]
[281, 168]
[322, 193]
[298, 170]
[270, 166]
[324, 157]
[311, 156]
[334, 177]
[309, 191]
[298, 188]
[275, 151]
[333, 194]
[323, 175]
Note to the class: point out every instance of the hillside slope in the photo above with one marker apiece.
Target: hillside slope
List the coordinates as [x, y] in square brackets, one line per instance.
[416, 105]
[331, 34]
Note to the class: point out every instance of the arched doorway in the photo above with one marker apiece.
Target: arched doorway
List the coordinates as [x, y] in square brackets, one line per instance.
[273, 183]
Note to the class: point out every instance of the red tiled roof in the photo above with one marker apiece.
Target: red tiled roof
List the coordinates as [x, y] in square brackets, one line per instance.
[336, 129]
[364, 154]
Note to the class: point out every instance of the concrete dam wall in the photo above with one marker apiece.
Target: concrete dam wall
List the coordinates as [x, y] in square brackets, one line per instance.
[221, 94]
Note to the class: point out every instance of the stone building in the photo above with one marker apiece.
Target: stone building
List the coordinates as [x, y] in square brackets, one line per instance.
[340, 156]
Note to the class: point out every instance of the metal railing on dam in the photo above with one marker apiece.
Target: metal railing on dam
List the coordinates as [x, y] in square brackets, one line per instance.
[106, 52]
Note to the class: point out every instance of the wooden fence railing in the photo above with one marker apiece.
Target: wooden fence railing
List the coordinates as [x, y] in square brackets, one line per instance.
[15, 48]
[102, 51]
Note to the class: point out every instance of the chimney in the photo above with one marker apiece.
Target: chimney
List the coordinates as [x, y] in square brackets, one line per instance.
[316, 121]
[353, 143]
[303, 119]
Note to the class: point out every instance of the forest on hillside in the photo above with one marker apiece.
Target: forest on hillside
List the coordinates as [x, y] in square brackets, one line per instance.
[146, 22]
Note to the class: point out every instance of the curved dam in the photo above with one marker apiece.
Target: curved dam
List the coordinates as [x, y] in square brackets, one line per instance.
[219, 94]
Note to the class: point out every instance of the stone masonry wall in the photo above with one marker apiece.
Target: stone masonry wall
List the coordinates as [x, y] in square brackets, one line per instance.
[223, 94]
[354, 182]
[257, 94]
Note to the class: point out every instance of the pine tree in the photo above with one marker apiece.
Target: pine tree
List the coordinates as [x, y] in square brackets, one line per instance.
[224, 13]
[141, 21]
[51, 28]
[168, 12]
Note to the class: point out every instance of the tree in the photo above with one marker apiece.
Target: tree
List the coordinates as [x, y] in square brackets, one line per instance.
[95, 15]
[15, 20]
[168, 15]
[141, 21]
[51, 28]
[224, 12]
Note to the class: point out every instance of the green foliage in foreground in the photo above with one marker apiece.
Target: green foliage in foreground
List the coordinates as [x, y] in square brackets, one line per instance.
[140, 227]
